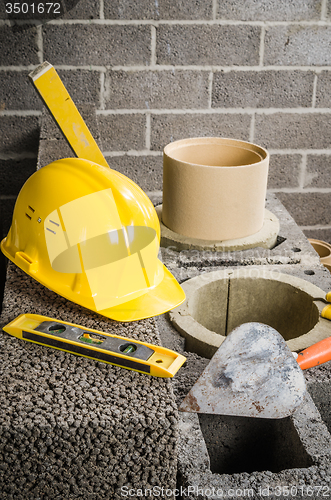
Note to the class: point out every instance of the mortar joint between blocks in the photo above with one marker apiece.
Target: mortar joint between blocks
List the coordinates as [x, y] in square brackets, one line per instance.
[102, 9]
[40, 44]
[261, 52]
[252, 128]
[302, 171]
[153, 46]
[148, 132]
[313, 104]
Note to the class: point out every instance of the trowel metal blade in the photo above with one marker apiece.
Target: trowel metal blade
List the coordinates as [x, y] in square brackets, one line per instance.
[252, 374]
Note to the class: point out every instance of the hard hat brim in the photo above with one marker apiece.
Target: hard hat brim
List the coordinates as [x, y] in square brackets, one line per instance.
[158, 300]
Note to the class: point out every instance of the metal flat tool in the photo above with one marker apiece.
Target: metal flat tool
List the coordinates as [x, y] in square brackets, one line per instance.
[253, 374]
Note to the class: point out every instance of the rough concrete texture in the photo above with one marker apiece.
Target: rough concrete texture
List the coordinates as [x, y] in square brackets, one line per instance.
[156, 89]
[265, 238]
[287, 46]
[284, 170]
[97, 44]
[166, 128]
[266, 10]
[23, 135]
[301, 131]
[81, 9]
[149, 9]
[290, 457]
[318, 171]
[122, 132]
[240, 88]
[13, 174]
[201, 45]
[16, 92]
[317, 202]
[318, 234]
[6, 212]
[19, 45]
[76, 428]
[143, 170]
[323, 87]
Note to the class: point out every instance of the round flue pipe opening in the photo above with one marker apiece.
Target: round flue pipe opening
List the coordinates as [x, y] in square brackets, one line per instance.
[218, 302]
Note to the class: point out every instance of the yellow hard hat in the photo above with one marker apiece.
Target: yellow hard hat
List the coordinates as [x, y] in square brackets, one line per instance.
[92, 235]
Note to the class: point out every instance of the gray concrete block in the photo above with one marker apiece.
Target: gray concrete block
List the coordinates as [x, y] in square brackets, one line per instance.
[97, 45]
[156, 89]
[81, 9]
[318, 171]
[72, 427]
[167, 128]
[200, 45]
[52, 150]
[18, 45]
[291, 131]
[319, 234]
[291, 248]
[16, 91]
[122, 132]
[252, 89]
[323, 89]
[266, 10]
[308, 209]
[14, 173]
[146, 171]
[321, 395]
[19, 134]
[6, 211]
[297, 45]
[162, 9]
[82, 85]
[284, 171]
[49, 128]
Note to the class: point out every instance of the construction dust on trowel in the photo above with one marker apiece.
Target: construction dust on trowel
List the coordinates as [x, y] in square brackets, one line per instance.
[252, 374]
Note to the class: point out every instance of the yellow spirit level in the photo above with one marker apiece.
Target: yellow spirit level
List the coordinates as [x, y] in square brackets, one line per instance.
[62, 108]
[120, 351]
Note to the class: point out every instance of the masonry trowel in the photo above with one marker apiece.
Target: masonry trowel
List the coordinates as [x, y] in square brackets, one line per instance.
[253, 374]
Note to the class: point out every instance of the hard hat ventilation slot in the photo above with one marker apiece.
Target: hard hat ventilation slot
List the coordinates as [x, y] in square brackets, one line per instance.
[32, 209]
[28, 216]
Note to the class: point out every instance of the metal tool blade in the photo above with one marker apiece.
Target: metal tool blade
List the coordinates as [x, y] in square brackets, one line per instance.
[252, 374]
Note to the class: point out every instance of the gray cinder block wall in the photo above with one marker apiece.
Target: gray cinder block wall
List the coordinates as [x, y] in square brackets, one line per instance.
[161, 70]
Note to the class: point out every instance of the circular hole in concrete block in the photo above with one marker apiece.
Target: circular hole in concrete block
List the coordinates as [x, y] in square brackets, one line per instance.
[296, 249]
[218, 302]
[309, 272]
[280, 305]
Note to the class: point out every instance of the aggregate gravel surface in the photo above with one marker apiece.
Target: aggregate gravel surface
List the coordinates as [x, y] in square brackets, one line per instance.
[74, 428]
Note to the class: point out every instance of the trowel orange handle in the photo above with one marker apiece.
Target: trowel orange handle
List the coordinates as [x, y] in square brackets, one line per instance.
[315, 355]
